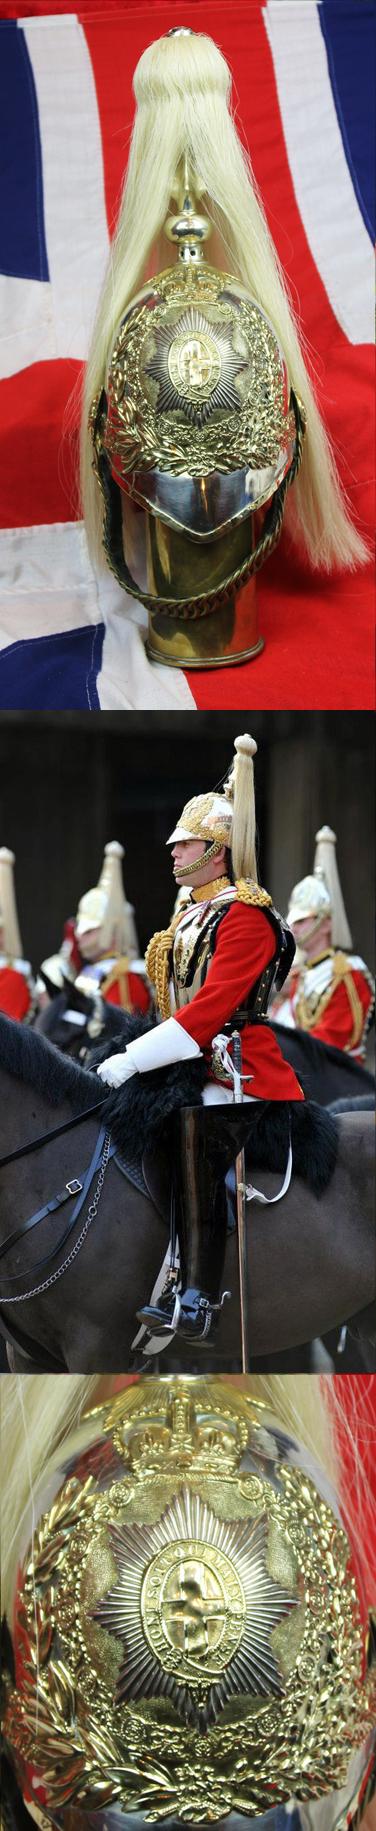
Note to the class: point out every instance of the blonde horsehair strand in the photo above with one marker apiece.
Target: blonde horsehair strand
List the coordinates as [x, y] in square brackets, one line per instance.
[243, 837]
[182, 87]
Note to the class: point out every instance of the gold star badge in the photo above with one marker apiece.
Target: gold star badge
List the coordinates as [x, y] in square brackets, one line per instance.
[195, 366]
[195, 1608]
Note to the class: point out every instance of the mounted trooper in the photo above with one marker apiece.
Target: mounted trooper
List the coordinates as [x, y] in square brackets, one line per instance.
[330, 992]
[214, 967]
[17, 991]
[100, 949]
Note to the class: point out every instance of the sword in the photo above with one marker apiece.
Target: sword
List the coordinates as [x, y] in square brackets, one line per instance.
[241, 1209]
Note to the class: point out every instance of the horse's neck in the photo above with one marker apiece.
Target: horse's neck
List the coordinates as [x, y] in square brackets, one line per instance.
[25, 1114]
[356, 1141]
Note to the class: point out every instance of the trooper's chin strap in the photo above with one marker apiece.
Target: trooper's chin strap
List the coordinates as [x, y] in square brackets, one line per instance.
[198, 863]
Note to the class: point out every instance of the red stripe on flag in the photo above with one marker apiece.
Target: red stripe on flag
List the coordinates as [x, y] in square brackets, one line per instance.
[318, 653]
[114, 49]
[39, 458]
[95, 10]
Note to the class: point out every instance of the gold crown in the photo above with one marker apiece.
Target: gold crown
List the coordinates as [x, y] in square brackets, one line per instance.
[187, 1630]
[181, 1441]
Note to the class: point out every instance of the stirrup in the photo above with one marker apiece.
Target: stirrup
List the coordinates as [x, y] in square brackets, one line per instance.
[163, 1312]
[193, 1321]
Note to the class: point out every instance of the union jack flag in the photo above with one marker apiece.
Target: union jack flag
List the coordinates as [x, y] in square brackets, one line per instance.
[302, 77]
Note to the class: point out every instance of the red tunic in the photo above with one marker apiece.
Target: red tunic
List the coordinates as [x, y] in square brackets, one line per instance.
[138, 993]
[245, 944]
[332, 998]
[338, 1024]
[15, 995]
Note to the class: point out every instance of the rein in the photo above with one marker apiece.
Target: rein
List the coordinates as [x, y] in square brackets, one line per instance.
[102, 1154]
[47, 1137]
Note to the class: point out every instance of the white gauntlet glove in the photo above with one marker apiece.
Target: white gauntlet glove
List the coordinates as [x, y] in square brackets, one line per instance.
[116, 1069]
[167, 1043]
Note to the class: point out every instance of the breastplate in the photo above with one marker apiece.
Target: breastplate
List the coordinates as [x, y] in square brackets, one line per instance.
[193, 946]
[315, 988]
[193, 949]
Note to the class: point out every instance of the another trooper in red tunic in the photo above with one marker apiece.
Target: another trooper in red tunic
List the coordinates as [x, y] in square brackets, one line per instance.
[107, 938]
[16, 979]
[100, 950]
[215, 968]
[330, 991]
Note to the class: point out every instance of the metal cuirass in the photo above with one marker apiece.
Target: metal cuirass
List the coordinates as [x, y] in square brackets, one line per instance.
[193, 948]
[194, 943]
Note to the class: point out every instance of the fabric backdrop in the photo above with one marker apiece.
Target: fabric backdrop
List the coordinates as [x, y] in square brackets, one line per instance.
[302, 74]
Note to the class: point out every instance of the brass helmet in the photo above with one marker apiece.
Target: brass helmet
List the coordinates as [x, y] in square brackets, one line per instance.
[310, 898]
[188, 1637]
[195, 432]
[320, 894]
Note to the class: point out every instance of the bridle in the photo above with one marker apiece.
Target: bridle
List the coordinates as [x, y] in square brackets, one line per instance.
[35, 1144]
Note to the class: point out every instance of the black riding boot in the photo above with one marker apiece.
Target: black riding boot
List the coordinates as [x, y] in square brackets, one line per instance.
[206, 1141]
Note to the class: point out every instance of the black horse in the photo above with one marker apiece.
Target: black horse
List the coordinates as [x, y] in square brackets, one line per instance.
[311, 1260]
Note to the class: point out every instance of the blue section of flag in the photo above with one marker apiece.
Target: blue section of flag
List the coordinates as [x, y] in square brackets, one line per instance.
[348, 27]
[23, 251]
[53, 673]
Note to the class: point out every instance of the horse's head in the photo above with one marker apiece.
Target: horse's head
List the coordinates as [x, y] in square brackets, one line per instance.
[66, 1020]
[77, 1022]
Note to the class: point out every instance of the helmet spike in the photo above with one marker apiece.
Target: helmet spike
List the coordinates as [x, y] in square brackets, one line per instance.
[325, 864]
[107, 909]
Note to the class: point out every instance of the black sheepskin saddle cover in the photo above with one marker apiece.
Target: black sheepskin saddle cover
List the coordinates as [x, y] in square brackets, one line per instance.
[137, 1114]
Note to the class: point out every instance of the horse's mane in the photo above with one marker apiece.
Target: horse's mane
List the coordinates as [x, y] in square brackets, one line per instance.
[33, 1060]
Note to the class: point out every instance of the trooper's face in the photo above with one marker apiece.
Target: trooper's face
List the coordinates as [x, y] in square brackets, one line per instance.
[185, 852]
[311, 938]
[90, 944]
